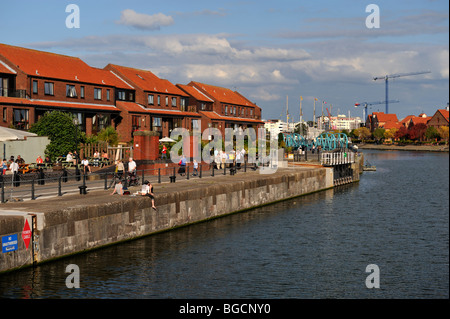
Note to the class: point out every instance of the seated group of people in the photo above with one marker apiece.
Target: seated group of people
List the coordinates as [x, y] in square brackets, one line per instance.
[147, 190]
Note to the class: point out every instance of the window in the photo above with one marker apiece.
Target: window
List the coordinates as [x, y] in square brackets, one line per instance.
[108, 95]
[135, 122]
[174, 101]
[167, 101]
[97, 94]
[82, 92]
[150, 99]
[35, 87]
[183, 103]
[157, 121]
[194, 124]
[226, 109]
[121, 95]
[159, 100]
[5, 114]
[203, 106]
[20, 120]
[71, 91]
[48, 88]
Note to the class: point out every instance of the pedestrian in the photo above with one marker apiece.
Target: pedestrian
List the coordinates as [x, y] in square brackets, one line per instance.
[238, 159]
[147, 190]
[119, 168]
[195, 168]
[14, 167]
[4, 166]
[182, 164]
[224, 157]
[164, 152]
[131, 166]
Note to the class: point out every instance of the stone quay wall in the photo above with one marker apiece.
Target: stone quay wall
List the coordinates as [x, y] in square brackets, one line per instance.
[77, 223]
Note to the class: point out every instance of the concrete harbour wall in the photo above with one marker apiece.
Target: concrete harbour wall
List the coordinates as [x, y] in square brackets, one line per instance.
[84, 222]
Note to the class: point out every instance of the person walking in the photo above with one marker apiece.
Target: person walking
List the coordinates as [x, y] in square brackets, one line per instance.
[195, 168]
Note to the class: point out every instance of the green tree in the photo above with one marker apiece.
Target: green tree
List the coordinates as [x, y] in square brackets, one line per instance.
[58, 126]
[432, 133]
[443, 133]
[110, 135]
[354, 133]
[363, 133]
[378, 133]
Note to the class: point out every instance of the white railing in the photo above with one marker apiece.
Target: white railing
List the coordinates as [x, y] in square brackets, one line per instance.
[332, 159]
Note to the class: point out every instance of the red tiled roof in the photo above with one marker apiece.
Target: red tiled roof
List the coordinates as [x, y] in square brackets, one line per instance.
[193, 91]
[382, 117]
[390, 125]
[57, 66]
[222, 94]
[417, 120]
[138, 108]
[407, 119]
[4, 68]
[57, 104]
[445, 113]
[147, 81]
[215, 116]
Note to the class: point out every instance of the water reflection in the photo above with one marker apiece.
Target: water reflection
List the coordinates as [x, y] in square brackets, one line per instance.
[316, 246]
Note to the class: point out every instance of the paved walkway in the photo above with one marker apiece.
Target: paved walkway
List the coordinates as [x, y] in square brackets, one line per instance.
[94, 197]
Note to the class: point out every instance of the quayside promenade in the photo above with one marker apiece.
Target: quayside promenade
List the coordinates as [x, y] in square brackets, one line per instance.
[61, 226]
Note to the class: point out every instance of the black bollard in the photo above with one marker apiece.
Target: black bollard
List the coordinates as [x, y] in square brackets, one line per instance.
[77, 173]
[64, 175]
[41, 177]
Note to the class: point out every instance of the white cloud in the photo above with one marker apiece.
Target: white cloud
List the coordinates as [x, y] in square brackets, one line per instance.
[144, 21]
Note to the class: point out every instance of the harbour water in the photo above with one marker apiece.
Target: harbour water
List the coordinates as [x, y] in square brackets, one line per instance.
[316, 246]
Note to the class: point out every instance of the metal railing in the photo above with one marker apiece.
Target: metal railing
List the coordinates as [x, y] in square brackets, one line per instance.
[337, 158]
[31, 186]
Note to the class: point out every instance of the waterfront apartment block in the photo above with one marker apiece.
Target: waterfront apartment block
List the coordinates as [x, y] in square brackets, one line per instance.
[33, 82]
[223, 108]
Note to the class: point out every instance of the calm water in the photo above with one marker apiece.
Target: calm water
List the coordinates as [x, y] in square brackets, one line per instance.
[317, 246]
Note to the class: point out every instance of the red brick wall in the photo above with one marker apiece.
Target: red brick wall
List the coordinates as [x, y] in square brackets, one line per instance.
[59, 92]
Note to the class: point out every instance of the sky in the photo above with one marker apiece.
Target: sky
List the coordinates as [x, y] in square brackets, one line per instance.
[272, 52]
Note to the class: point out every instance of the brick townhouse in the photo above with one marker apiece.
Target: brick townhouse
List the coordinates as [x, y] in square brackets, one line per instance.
[223, 108]
[159, 106]
[33, 82]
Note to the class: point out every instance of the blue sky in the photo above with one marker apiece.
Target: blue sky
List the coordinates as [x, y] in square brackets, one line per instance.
[266, 50]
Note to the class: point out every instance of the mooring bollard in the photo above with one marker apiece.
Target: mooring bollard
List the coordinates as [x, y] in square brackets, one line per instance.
[59, 186]
[32, 190]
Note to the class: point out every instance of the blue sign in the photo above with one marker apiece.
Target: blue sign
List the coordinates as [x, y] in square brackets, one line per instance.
[9, 243]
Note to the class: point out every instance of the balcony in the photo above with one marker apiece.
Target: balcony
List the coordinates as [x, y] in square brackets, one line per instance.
[14, 93]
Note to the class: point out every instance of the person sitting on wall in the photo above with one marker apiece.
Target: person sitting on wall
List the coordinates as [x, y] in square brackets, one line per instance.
[86, 167]
[147, 190]
[118, 189]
